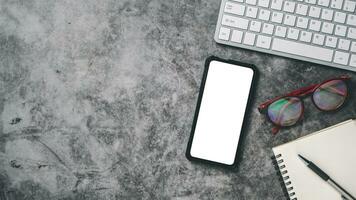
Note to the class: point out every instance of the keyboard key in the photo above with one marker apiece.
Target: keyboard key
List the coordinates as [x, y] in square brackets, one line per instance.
[289, 20]
[263, 41]
[351, 20]
[318, 29]
[224, 33]
[340, 17]
[341, 58]
[236, 36]
[324, 3]
[293, 33]
[310, 1]
[251, 12]
[353, 60]
[289, 6]
[353, 47]
[234, 8]
[344, 44]
[249, 38]
[327, 14]
[306, 36]
[236, 22]
[302, 9]
[337, 4]
[340, 30]
[302, 22]
[277, 4]
[267, 28]
[264, 15]
[255, 26]
[281, 31]
[350, 6]
[314, 12]
[327, 28]
[331, 41]
[315, 25]
[318, 39]
[277, 17]
[352, 33]
[302, 49]
[263, 3]
[251, 2]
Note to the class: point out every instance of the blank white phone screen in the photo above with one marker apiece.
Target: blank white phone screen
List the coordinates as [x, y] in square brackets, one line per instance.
[222, 112]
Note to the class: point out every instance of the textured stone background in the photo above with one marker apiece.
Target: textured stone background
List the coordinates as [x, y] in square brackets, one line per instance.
[97, 100]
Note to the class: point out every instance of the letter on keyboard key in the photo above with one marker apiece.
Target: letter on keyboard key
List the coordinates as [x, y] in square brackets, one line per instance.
[305, 36]
[281, 31]
[340, 17]
[255, 26]
[327, 28]
[301, 49]
[267, 28]
[337, 4]
[351, 20]
[302, 9]
[344, 44]
[340, 30]
[314, 12]
[302, 22]
[353, 60]
[251, 12]
[352, 33]
[293, 33]
[277, 4]
[331, 41]
[289, 6]
[263, 41]
[318, 39]
[236, 36]
[289, 20]
[264, 15]
[327, 14]
[224, 33]
[277, 17]
[237, 22]
[249, 39]
[314, 25]
[341, 58]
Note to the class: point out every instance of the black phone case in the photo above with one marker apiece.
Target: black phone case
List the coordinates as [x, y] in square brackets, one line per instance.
[205, 74]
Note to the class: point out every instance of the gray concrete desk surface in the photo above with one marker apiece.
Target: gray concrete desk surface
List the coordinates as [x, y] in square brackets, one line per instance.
[97, 101]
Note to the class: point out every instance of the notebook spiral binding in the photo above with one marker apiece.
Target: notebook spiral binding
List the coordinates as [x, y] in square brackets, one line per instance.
[283, 177]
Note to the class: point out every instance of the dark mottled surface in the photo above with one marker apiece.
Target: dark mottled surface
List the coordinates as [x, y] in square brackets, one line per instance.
[97, 100]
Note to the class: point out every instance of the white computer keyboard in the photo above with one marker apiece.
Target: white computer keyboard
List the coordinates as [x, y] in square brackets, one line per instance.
[318, 31]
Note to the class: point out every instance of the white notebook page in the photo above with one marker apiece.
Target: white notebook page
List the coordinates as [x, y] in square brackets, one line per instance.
[333, 150]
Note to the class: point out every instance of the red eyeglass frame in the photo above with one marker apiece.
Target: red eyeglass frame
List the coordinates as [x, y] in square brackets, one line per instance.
[302, 93]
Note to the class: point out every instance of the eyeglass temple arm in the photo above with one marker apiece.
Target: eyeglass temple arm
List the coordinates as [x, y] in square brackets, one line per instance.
[300, 92]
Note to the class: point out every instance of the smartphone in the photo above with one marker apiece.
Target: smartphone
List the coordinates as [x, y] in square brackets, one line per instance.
[219, 119]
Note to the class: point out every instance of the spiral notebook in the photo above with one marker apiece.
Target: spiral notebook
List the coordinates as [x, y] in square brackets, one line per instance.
[332, 149]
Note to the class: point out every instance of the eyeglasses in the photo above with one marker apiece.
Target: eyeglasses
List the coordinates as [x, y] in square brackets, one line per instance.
[287, 110]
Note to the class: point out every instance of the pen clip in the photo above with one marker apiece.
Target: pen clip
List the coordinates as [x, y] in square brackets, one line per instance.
[344, 198]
